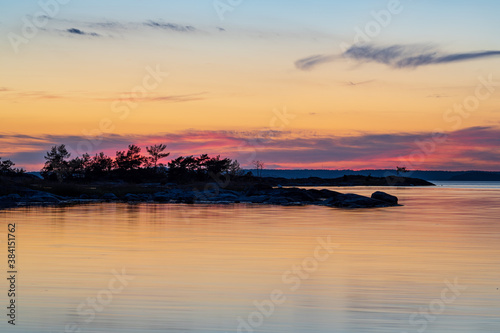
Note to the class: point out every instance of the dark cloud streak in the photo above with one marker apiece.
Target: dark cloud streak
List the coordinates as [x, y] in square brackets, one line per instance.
[76, 31]
[170, 26]
[395, 56]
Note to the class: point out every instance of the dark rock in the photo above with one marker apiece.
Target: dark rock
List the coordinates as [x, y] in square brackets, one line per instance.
[42, 197]
[278, 201]
[355, 201]
[109, 196]
[316, 194]
[295, 195]
[327, 194]
[187, 200]
[15, 197]
[161, 197]
[84, 196]
[145, 197]
[382, 196]
[258, 198]
[226, 197]
[7, 200]
[131, 197]
[257, 189]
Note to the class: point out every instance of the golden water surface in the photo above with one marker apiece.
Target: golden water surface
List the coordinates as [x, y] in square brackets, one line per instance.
[432, 265]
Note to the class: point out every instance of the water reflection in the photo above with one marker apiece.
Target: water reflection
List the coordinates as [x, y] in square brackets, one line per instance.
[201, 268]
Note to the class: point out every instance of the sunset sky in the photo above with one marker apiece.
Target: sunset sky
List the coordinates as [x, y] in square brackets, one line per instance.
[296, 84]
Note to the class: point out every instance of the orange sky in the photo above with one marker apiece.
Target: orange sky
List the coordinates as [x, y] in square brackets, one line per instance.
[85, 74]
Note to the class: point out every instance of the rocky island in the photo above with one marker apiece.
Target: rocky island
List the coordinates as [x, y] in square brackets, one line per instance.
[28, 190]
[132, 177]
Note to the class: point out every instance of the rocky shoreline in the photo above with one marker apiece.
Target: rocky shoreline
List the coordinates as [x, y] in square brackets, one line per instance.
[269, 196]
[28, 190]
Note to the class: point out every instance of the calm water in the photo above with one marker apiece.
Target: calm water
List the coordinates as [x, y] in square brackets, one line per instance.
[257, 268]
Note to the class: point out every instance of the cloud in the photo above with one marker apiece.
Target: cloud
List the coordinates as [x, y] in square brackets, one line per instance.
[471, 148]
[354, 84]
[21, 95]
[76, 31]
[108, 28]
[170, 26]
[396, 56]
[18, 95]
[158, 98]
[177, 98]
[410, 56]
[315, 60]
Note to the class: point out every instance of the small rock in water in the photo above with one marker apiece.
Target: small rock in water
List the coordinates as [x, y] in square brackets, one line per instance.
[382, 196]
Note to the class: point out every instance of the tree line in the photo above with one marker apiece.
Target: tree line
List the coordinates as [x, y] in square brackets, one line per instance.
[131, 164]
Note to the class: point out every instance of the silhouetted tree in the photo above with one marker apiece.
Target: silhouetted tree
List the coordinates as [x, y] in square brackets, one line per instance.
[182, 168]
[259, 165]
[157, 154]
[199, 168]
[100, 164]
[235, 169]
[6, 166]
[130, 159]
[216, 166]
[77, 167]
[56, 164]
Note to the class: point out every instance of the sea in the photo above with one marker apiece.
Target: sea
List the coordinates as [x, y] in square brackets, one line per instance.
[430, 265]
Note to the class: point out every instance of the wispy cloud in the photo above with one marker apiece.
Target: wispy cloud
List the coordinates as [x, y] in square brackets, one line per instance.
[315, 60]
[159, 98]
[170, 26]
[411, 56]
[396, 56]
[108, 28]
[22, 95]
[76, 31]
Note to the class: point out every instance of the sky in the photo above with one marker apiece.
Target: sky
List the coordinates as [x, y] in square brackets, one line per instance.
[296, 84]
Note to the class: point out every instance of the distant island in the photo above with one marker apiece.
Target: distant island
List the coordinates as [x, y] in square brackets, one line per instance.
[133, 177]
[422, 174]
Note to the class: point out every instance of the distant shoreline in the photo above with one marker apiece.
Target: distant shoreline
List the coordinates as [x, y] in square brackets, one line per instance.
[421, 174]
